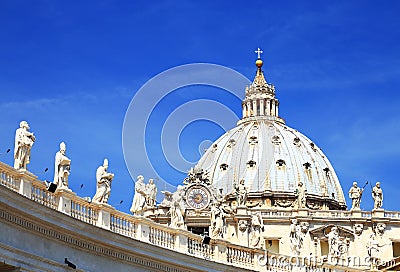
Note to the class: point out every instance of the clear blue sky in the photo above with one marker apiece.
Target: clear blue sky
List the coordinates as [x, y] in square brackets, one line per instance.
[71, 68]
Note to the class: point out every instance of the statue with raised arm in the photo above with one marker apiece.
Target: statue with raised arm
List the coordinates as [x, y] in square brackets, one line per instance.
[23, 144]
[104, 179]
[377, 195]
[257, 226]
[139, 199]
[61, 168]
[355, 194]
[151, 194]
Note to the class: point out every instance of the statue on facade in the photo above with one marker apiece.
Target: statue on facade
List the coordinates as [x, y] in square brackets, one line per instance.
[139, 199]
[217, 218]
[355, 194]
[104, 180]
[240, 192]
[23, 143]
[301, 195]
[61, 168]
[295, 237]
[337, 244]
[151, 194]
[257, 226]
[177, 208]
[377, 195]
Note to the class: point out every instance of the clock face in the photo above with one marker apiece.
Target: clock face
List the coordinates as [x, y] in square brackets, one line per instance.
[198, 197]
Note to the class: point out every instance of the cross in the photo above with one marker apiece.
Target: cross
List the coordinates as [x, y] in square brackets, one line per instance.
[259, 52]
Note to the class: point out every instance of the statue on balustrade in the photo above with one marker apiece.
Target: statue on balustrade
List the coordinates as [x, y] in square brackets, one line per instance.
[151, 194]
[23, 143]
[257, 226]
[240, 191]
[139, 199]
[377, 195]
[217, 218]
[61, 168]
[104, 179]
[177, 208]
[355, 194]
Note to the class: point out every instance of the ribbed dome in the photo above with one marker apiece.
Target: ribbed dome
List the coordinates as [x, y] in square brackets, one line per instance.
[271, 157]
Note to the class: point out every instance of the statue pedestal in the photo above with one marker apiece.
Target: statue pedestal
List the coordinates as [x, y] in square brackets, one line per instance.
[356, 213]
[241, 210]
[379, 213]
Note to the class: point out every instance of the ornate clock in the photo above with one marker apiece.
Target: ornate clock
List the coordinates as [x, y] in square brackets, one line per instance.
[198, 197]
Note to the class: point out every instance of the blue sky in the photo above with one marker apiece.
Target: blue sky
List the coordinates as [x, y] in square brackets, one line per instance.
[71, 68]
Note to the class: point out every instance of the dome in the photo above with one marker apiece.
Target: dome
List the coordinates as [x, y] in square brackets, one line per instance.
[273, 159]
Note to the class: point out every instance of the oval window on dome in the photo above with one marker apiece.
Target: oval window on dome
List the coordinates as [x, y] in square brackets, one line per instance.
[223, 166]
[296, 142]
[253, 140]
[276, 140]
[280, 163]
[251, 163]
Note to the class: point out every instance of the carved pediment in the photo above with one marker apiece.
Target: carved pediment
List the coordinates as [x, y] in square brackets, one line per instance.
[322, 232]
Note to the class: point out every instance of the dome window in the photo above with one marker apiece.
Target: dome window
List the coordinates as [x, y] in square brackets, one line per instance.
[313, 147]
[214, 148]
[280, 162]
[307, 165]
[276, 140]
[231, 143]
[296, 141]
[251, 163]
[223, 166]
[253, 140]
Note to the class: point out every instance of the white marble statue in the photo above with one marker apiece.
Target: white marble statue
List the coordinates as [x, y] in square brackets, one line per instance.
[61, 168]
[240, 191]
[377, 195]
[177, 209]
[355, 194]
[151, 194]
[104, 180]
[23, 144]
[257, 227]
[139, 199]
[334, 242]
[217, 217]
[295, 237]
[301, 195]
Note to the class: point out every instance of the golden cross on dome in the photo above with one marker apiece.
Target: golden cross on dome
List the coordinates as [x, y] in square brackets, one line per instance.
[259, 52]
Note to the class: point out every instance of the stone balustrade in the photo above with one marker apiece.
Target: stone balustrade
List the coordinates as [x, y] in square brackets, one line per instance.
[148, 231]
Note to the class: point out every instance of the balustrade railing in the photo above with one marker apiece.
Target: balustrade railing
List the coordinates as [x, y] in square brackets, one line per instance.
[161, 237]
[123, 224]
[7, 178]
[240, 256]
[40, 194]
[196, 247]
[83, 211]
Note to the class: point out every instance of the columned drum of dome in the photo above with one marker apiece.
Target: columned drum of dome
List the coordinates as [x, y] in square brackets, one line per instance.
[274, 160]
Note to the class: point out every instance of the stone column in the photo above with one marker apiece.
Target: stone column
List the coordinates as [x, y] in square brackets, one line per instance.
[277, 108]
[255, 112]
[268, 109]
[248, 109]
[262, 107]
[244, 110]
[273, 108]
